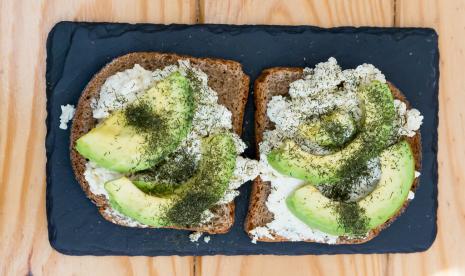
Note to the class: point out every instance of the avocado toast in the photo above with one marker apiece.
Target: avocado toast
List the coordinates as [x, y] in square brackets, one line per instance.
[168, 155]
[329, 170]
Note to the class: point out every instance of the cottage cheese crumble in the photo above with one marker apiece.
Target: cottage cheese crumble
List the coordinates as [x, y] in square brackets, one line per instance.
[67, 113]
[407, 121]
[321, 90]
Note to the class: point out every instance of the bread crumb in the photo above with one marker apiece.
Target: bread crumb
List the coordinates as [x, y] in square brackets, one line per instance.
[417, 174]
[206, 239]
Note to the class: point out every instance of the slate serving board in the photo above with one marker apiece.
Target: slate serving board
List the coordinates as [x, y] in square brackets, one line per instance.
[76, 51]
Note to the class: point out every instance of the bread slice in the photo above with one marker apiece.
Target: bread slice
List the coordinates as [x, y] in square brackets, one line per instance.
[275, 81]
[225, 77]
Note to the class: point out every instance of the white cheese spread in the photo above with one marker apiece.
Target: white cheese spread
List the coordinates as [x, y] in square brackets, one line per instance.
[67, 113]
[285, 223]
[123, 88]
[97, 176]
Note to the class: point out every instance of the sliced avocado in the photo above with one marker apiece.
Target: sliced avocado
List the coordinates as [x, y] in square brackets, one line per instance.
[379, 114]
[320, 212]
[127, 199]
[165, 177]
[185, 204]
[330, 131]
[156, 188]
[147, 130]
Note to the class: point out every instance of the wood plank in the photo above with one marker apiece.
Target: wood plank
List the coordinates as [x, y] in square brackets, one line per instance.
[24, 247]
[295, 12]
[445, 257]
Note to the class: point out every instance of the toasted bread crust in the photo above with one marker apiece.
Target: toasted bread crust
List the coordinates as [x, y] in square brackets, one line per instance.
[225, 77]
[275, 81]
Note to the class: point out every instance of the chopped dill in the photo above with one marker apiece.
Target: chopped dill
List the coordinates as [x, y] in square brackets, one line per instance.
[141, 116]
[352, 218]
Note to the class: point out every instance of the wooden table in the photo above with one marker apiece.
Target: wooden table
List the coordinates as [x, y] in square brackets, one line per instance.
[24, 25]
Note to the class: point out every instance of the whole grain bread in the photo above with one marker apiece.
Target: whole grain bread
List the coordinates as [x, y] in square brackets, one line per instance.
[224, 76]
[275, 81]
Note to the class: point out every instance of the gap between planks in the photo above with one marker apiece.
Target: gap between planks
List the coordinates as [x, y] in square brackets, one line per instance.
[197, 262]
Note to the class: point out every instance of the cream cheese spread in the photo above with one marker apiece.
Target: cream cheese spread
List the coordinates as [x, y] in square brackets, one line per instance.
[123, 87]
[321, 90]
[285, 223]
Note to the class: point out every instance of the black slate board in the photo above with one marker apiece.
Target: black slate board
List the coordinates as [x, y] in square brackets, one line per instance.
[76, 51]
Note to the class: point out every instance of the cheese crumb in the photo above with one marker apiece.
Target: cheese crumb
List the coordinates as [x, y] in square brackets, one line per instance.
[411, 195]
[417, 174]
[194, 237]
[67, 113]
[206, 239]
[260, 232]
[206, 216]
[245, 170]
[408, 121]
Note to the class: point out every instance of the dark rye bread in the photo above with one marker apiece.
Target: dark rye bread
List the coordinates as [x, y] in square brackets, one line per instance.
[225, 77]
[273, 82]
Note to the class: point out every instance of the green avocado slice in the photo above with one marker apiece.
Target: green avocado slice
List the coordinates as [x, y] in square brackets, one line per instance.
[397, 176]
[331, 131]
[184, 204]
[379, 115]
[147, 130]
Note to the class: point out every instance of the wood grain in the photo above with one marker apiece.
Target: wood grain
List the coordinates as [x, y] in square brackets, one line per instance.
[24, 247]
[295, 12]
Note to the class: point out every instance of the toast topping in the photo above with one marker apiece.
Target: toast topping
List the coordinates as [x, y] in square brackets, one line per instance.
[338, 147]
[179, 157]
